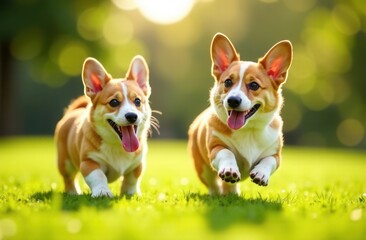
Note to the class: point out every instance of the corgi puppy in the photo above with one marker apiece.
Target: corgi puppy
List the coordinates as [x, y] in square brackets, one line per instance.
[240, 134]
[104, 133]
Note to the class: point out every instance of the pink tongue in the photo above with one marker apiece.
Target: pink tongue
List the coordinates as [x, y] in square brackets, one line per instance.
[236, 120]
[129, 139]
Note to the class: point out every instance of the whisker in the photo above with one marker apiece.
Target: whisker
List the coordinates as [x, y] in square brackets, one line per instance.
[156, 111]
[154, 122]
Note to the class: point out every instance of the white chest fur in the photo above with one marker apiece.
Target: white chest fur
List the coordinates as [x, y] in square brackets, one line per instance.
[252, 145]
[115, 161]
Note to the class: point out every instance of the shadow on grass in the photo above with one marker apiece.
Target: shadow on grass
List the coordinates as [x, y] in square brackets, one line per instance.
[74, 202]
[225, 211]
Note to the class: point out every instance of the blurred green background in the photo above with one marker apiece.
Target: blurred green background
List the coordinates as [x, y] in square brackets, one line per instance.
[44, 43]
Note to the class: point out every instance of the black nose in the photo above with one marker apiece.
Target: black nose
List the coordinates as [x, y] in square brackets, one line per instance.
[131, 117]
[234, 102]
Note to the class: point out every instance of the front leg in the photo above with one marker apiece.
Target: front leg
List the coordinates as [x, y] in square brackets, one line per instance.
[225, 164]
[263, 170]
[95, 178]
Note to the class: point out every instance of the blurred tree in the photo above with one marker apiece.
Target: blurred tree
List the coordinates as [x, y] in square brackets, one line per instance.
[6, 114]
[28, 29]
[43, 44]
[327, 75]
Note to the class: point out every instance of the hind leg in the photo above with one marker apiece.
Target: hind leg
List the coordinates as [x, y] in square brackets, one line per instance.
[204, 171]
[71, 183]
[210, 179]
[68, 172]
[207, 176]
[228, 188]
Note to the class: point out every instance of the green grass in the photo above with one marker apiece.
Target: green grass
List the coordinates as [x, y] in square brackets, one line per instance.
[316, 194]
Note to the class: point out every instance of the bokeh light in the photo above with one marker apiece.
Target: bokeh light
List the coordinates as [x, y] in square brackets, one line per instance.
[329, 48]
[117, 29]
[329, 52]
[71, 58]
[302, 75]
[90, 23]
[350, 132]
[119, 59]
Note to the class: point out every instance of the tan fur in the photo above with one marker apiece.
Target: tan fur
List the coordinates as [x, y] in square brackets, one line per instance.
[260, 137]
[83, 135]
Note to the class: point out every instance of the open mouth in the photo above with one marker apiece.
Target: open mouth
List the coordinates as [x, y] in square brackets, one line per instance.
[252, 111]
[127, 134]
[118, 129]
[237, 119]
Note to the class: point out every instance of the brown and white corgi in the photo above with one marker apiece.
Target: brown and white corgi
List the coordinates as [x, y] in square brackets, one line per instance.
[240, 134]
[104, 133]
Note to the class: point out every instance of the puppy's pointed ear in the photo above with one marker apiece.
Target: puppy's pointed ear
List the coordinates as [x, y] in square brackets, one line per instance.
[139, 72]
[277, 61]
[223, 54]
[94, 76]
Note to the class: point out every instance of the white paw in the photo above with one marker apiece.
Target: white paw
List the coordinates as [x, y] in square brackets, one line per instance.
[101, 192]
[259, 177]
[230, 174]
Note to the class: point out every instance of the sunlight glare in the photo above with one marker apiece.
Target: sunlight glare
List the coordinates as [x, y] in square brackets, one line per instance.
[165, 11]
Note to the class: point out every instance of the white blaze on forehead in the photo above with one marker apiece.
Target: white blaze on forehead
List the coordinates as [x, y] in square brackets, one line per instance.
[127, 106]
[124, 91]
[243, 68]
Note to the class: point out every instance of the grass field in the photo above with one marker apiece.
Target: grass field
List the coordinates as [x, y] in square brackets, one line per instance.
[316, 194]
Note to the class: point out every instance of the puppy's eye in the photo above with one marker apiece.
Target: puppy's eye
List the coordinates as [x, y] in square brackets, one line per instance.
[137, 102]
[228, 83]
[114, 103]
[253, 86]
